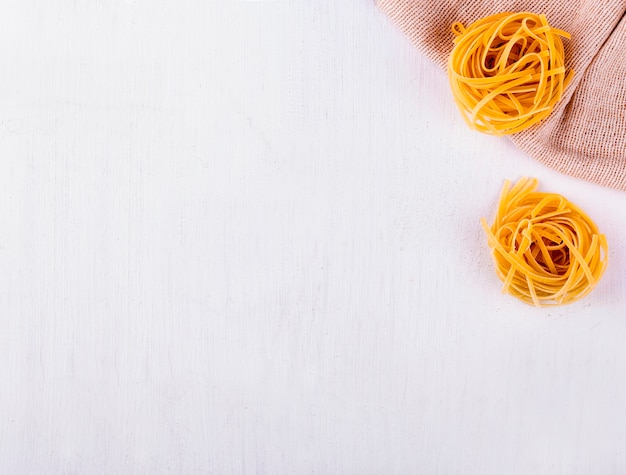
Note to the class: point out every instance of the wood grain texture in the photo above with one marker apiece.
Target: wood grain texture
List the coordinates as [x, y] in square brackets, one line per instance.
[243, 238]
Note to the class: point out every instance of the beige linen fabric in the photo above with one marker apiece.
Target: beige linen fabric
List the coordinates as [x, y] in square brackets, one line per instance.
[585, 136]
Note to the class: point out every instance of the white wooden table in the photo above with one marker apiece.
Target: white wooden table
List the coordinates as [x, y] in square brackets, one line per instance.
[243, 238]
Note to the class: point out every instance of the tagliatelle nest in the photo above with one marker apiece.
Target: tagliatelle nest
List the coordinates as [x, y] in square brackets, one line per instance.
[507, 71]
[546, 250]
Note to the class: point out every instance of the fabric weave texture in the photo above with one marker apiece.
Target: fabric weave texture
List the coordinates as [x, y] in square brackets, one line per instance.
[585, 135]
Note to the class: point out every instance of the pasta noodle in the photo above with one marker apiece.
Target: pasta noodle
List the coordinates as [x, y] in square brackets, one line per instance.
[507, 71]
[546, 250]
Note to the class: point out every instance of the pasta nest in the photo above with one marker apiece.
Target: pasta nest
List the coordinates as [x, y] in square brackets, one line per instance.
[546, 250]
[507, 71]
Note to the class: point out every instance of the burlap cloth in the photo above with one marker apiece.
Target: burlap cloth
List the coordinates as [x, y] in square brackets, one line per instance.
[585, 136]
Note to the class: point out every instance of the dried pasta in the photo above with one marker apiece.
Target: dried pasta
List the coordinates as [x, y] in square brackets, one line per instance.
[507, 71]
[546, 250]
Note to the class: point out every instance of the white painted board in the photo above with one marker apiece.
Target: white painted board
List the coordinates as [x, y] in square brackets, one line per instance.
[243, 238]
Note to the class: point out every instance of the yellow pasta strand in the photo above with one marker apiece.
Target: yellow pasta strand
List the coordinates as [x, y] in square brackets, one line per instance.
[507, 71]
[546, 250]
